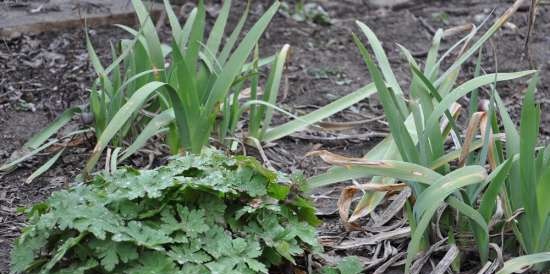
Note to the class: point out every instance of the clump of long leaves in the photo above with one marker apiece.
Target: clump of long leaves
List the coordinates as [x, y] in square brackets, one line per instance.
[192, 91]
[528, 184]
[417, 151]
[187, 94]
[201, 88]
[206, 213]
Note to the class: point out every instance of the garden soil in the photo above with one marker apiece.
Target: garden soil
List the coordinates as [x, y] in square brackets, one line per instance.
[42, 75]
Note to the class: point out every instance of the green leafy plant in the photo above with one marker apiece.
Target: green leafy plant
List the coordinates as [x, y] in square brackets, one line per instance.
[192, 90]
[529, 180]
[189, 92]
[306, 11]
[205, 213]
[417, 151]
[348, 265]
[201, 88]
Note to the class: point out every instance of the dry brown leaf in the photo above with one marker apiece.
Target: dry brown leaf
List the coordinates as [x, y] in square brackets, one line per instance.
[339, 160]
[344, 203]
[491, 152]
[471, 130]
[378, 238]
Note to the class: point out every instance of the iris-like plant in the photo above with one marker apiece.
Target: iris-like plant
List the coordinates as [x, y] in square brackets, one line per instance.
[528, 183]
[416, 152]
[190, 92]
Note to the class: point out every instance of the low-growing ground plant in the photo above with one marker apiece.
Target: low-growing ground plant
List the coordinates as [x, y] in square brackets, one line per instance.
[348, 265]
[206, 213]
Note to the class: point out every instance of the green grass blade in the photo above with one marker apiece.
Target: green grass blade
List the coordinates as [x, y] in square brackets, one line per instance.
[94, 59]
[496, 180]
[543, 186]
[174, 22]
[8, 166]
[254, 119]
[234, 65]
[156, 124]
[392, 111]
[114, 159]
[433, 92]
[431, 59]
[313, 117]
[133, 104]
[230, 43]
[45, 167]
[529, 129]
[261, 62]
[431, 199]
[454, 155]
[195, 38]
[150, 34]
[512, 148]
[423, 145]
[467, 87]
[437, 190]
[216, 34]
[383, 62]
[41, 137]
[186, 30]
[37, 150]
[479, 226]
[474, 98]
[479, 43]
[272, 88]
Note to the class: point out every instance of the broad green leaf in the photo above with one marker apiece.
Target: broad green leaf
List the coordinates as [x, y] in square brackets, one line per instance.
[433, 197]
[518, 263]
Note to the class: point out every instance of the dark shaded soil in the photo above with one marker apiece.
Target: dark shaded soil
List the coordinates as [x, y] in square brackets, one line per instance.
[42, 75]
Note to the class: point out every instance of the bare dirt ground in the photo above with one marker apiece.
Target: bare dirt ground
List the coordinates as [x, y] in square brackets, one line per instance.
[41, 75]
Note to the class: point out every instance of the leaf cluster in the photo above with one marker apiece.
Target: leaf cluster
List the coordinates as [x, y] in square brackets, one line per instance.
[348, 265]
[205, 213]
[445, 166]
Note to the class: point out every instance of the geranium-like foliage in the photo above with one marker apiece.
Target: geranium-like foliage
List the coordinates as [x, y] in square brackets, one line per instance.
[206, 213]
